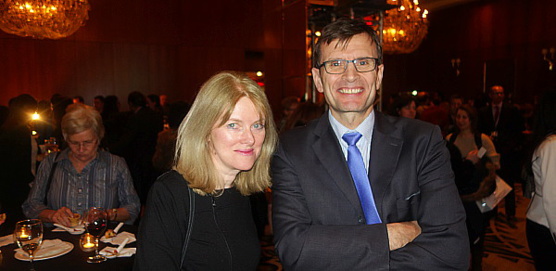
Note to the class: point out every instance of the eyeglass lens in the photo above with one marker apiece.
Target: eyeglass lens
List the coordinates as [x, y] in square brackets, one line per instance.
[340, 65]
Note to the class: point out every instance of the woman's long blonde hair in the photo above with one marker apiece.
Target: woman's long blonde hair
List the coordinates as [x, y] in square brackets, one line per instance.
[212, 107]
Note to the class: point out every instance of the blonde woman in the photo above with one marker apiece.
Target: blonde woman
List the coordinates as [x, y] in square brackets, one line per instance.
[223, 152]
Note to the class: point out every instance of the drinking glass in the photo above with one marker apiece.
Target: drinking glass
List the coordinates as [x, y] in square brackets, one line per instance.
[28, 236]
[96, 221]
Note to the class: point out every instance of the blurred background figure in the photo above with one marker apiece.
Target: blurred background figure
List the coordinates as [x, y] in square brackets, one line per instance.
[504, 124]
[4, 112]
[404, 106]
[44, 126]
[98, 103]
[153, 102]
[78, 100]
[166, 142]
[114, 121]
[18, 158]
[455, 102]
[541, 214]
[289, 104]
[303, 114]
[59, 105]
[138, 141]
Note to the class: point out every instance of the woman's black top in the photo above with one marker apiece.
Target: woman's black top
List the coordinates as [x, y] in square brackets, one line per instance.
[224, 236]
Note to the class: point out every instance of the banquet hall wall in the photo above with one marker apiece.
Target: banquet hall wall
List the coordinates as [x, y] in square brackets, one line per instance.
[172, 46]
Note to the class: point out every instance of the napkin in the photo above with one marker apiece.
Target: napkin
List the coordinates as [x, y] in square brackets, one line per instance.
[118, 239]
[125, 252]
[77, 230]
[6, 240]
[48, 248]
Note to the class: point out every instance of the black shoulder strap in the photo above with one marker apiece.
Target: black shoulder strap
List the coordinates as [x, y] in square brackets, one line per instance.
[478, 140]
[453, 137]
[49, 181]
[189, 224]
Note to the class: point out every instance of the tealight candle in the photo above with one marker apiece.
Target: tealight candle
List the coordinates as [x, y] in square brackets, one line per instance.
[88, 242]
[23, 234]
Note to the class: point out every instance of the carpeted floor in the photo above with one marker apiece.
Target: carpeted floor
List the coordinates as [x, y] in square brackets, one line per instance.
[505, 246]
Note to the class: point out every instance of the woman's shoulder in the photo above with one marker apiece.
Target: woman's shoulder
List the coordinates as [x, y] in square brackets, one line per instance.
[549, 144]
[172, 180]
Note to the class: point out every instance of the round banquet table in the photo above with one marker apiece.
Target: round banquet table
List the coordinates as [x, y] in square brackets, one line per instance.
[75, 260]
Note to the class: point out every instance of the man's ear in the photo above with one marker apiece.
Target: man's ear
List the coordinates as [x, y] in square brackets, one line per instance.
[317, 79]
[379, 73]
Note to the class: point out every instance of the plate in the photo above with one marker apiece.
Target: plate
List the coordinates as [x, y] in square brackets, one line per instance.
[52, 251]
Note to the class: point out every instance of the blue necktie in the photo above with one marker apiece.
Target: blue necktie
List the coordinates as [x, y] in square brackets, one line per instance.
[361, 179]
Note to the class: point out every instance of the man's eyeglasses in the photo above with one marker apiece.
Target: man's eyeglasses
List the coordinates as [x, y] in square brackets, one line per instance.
[85, 144]
[337, 66]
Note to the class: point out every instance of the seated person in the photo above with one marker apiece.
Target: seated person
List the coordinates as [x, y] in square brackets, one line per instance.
[82, 175]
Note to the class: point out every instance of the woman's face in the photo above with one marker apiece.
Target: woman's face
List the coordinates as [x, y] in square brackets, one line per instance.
[462, 120]
[83, 145]
[236, 145]
[408, 111]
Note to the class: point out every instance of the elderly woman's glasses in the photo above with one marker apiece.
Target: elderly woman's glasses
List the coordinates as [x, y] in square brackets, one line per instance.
[337, 66]
[85, 144]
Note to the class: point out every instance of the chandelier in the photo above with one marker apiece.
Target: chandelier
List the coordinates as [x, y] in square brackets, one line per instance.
[50, 19]
[404, 27]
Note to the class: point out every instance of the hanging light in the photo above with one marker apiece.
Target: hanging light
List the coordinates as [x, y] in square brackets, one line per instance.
[40, 19]
[404, 27]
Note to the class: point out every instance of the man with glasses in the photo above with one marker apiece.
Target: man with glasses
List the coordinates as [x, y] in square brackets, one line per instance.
[359, 190]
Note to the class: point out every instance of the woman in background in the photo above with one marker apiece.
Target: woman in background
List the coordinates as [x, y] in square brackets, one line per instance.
[223, 153]
[474, 174]
[405, 106]
[83, 175]
[541, 214]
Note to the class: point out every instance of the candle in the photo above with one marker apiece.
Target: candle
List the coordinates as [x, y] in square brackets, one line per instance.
[23, 234]
[88, 242]
[88, 245]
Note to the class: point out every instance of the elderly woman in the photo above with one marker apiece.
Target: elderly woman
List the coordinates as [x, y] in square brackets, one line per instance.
[82, 175]
[223, 152]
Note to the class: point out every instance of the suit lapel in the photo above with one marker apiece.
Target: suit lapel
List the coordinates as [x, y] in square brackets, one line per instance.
[329, 152]
[385, 152]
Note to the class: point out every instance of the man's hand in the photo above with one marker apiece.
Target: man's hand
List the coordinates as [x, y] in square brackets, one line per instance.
[400, 234]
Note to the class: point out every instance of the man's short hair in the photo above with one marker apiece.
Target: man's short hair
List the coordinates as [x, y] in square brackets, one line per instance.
[343, 30]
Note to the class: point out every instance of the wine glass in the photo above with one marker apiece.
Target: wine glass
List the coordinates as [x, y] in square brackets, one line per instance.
[96, 220]
[28, 236]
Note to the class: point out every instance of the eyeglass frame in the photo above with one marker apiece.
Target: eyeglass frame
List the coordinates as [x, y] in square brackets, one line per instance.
[84, 144]
[323, 64]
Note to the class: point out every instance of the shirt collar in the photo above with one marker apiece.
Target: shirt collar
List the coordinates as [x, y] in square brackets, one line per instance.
[102, 157]
[365, 128]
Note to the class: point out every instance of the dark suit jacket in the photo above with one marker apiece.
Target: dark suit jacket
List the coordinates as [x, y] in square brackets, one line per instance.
[318, 220]
[510, 127]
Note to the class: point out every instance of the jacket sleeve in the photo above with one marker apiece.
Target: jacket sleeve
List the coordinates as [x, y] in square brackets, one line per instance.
[303, 244]
[443, 243]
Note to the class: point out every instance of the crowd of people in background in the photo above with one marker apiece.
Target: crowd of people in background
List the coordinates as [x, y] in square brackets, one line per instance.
[145, 137]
